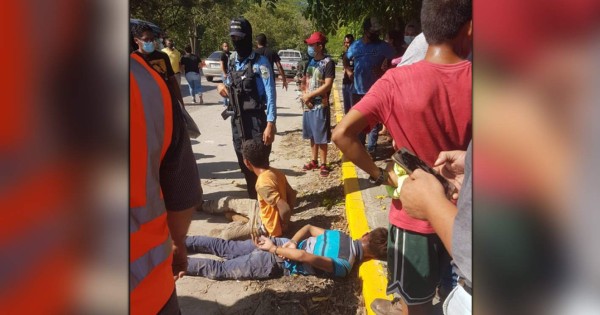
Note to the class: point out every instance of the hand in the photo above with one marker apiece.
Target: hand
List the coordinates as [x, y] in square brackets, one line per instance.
[306, 100]
[419, 191]
[222, 90]
[264, 243]
[451, 165]
[392, 178]
[289, 244]
[180, 261]
[269, 133]
[284, 83]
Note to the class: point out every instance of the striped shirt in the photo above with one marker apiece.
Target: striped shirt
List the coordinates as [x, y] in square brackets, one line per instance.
[337, 246]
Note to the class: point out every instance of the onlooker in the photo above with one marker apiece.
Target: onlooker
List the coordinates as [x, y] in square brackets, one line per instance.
[410, 31]
[190, 64]
[274, 59]
[249, 76]
[372, 58]
[164, 187]
[348, 80]
[174, 57]
[415, 52]
[224, 66]
[316, 120]
[426, 107]
[395, 39]
[312, 251]
[159, 61]
[423, 198]
[276, 197]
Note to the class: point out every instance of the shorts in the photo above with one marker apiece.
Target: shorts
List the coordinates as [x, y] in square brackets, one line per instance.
[316, 125]
[415, 264]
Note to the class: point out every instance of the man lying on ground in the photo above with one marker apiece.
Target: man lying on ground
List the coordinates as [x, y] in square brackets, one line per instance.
[312, 251]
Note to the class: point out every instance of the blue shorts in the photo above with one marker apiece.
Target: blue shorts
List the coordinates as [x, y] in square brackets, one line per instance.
[316, 125]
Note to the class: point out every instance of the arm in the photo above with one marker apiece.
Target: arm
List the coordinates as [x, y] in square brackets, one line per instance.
[179, 223]
[291, 196]
[285, 213]
[346, 64]
[345, 137]
[282, 73]
[298, 255]
[423, 197]
[322, 90]
[269, 88]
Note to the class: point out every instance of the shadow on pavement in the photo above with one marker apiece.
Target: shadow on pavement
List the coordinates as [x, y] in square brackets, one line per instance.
[326, 198]
[219, 170]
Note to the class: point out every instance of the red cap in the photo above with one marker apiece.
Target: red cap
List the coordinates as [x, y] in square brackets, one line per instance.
[316, 37]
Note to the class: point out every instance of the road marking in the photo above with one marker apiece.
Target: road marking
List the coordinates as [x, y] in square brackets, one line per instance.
[371, 272]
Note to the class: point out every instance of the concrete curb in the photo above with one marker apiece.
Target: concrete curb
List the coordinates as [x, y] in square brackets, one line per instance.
[372, 272]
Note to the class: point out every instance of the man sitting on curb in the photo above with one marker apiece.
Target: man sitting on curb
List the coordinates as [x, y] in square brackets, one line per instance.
[276, 199]
[312, 251]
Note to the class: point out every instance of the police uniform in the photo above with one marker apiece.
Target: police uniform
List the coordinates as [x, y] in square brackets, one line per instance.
[252, 84]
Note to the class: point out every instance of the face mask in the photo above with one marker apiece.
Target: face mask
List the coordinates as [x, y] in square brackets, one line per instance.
[148, 47]
[311, 51]
[408, 39]
[243, 47]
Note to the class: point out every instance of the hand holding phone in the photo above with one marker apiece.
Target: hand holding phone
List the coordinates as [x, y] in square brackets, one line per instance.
[410, 162]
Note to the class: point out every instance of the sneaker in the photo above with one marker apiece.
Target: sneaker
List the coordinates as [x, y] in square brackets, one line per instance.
[201, 100]
[310, 166]
[324, 170]
[194, 100]
[387, 307]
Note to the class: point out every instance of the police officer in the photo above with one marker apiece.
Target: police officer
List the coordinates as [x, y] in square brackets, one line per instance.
[251, 82]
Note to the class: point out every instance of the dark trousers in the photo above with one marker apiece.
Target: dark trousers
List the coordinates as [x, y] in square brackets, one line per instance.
[254, 124]
[244, 260]
[347, 96]
[373, 134]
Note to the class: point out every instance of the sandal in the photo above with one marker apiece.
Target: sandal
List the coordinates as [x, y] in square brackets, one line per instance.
[324, 170]
[310, 166]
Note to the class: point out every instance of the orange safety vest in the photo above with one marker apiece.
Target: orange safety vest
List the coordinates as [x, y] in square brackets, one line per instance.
[150, 275]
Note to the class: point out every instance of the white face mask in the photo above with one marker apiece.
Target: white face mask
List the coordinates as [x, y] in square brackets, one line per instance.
[408, 39]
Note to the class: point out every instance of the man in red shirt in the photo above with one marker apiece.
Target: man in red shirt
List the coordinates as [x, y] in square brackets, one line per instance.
[426, 108]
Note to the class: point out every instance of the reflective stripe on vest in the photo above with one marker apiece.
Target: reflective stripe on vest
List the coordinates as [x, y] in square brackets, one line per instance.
[150, 275]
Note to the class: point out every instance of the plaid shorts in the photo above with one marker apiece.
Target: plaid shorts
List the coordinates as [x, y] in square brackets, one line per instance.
[415, 265]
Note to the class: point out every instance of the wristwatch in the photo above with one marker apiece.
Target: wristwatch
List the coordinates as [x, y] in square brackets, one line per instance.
[379, 180]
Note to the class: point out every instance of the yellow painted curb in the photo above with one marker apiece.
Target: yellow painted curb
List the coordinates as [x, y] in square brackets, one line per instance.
[371, 272]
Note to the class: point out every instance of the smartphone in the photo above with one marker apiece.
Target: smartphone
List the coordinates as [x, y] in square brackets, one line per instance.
[410, 162]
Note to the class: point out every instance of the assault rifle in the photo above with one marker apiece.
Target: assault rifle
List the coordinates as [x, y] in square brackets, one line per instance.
[234, 110]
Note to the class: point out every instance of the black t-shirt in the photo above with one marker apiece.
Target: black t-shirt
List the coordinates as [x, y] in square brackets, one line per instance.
[191, 63]
[160, 62]
[271, 55]
[347, 64]
[225, 60]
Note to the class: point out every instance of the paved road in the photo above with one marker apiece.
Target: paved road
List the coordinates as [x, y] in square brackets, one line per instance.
[220, 176]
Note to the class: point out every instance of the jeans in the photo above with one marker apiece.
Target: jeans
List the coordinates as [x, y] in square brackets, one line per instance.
[244, 259]
[347, 96]
[194, 83]
[458, 302]
[372, 138]
[225, 99]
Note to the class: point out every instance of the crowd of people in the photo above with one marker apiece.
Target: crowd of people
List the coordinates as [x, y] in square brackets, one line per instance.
[417, 87]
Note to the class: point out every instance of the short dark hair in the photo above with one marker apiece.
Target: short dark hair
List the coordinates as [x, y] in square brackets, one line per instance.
[261, 39]
[350, 37]
[138, 29]
[188, 49]
[256, 152]
[378, 243]
[441, 20]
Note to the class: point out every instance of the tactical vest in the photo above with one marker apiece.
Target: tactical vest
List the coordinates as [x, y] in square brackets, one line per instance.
[243, 84]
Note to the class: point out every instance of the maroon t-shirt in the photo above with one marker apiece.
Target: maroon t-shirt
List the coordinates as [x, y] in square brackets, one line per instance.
[426, 108]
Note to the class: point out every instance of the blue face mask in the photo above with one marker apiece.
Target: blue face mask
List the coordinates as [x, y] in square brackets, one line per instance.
[148, 47]
[311, 51]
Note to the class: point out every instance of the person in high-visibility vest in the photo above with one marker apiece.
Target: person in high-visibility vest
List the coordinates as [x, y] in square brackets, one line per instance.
[164, 189]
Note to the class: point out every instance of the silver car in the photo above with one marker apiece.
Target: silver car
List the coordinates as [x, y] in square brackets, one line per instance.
[212, 66]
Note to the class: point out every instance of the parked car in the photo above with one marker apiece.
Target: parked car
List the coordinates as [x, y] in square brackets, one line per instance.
[292, 61]
[211, 67]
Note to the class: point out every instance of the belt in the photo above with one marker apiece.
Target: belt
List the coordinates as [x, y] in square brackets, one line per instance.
[467, 288]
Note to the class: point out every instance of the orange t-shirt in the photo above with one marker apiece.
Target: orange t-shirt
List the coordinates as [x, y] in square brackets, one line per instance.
[271, 187]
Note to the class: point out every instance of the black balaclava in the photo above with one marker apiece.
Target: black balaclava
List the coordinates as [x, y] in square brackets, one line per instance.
[241, 27]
